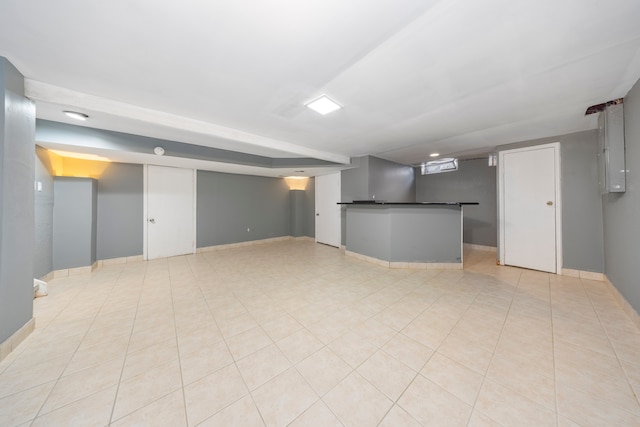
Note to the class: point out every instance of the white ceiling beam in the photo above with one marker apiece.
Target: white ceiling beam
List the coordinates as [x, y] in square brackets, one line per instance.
[39, 91]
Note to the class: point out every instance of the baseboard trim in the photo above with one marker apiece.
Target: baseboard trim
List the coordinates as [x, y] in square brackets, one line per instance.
[483, 248]
[626, 306]
[408, 265]
[242, 244]
[137, 258]
[304, 238]
[16, 338]
[46, 277]
[588, 275]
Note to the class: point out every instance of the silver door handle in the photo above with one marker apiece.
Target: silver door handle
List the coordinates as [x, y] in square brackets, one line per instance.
[152, 221]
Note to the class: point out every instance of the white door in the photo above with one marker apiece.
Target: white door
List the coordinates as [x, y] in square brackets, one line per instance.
[529, 209]
[170, 211]
[328, 220]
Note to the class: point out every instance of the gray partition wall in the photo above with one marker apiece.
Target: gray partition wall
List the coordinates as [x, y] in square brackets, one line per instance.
[74, 222]
[43, 211]
[405, 233]
[120, 210]
[622, 210]
[17, 130]
[474, 181]
[239, 208]
[375, 178]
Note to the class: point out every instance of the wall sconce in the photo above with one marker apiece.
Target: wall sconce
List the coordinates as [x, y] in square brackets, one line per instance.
[296, 182]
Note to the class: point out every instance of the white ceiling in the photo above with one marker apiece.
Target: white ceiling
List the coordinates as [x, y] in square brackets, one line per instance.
[414, 76]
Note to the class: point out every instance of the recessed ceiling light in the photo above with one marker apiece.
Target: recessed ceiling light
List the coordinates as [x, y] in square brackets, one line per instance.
[76, 115]
[323, 105]
[159, 151]
[434, 154]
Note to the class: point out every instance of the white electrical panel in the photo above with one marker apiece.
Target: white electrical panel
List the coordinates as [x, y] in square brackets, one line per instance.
[611, 161]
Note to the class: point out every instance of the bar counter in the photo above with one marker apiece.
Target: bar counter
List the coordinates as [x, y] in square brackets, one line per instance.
[406, 234]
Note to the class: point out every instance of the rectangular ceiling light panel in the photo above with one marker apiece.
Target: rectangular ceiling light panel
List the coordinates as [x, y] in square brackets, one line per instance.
[323, 105]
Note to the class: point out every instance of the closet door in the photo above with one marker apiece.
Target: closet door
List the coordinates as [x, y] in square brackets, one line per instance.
[170, 211]
[529, 210]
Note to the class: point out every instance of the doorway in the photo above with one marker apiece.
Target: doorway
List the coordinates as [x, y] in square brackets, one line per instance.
[169, 211]
[328, 219]
[530, 211]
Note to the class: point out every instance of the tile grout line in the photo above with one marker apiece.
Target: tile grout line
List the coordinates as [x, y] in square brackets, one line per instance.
[175, 331]
[206, 301]
[553, 343]
[435, 350]
[76, 349]
[493, 353]
[126, 354]
[606, 332]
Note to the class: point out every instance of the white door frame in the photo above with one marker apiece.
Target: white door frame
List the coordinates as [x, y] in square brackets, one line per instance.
[557, 201]
[145, 218]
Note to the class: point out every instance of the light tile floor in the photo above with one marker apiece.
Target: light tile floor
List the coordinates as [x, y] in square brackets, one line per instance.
[294, 333]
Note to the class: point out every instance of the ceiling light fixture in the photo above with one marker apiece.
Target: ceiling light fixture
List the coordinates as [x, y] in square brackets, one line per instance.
[323, 105]
[159, 151]
[76, 115]
[296, 182]
[434, 154]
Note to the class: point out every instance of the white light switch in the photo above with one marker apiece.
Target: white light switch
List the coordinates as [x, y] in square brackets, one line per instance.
[38, 185]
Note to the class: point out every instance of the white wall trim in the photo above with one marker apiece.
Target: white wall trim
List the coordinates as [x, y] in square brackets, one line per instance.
[626, 306]
[410, 265]
[583, 274]
[145, 171]
[194, 189]
[10, 344]
[247, 243]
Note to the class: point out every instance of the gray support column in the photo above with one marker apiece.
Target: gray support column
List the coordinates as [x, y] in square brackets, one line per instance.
[74, 222]
[17, 171]
[298, 212]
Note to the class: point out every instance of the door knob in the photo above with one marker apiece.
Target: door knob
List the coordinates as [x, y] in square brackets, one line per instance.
[317, 214]
[549, 203]
[152, 221]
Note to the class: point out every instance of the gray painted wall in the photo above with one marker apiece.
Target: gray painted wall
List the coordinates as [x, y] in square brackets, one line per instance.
[377, 178]
[120, 210]
[405, 233]
[74, 222]
[43, 211]
[474, 181]
[354, 182]
[229, 204]
[310, 200]
[17, 170]
[298, 212]
[582, 235]
[391, 182]
[303, 219]
[621, 221]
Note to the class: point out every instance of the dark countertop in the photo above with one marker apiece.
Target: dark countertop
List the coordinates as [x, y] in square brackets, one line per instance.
[380, 203]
